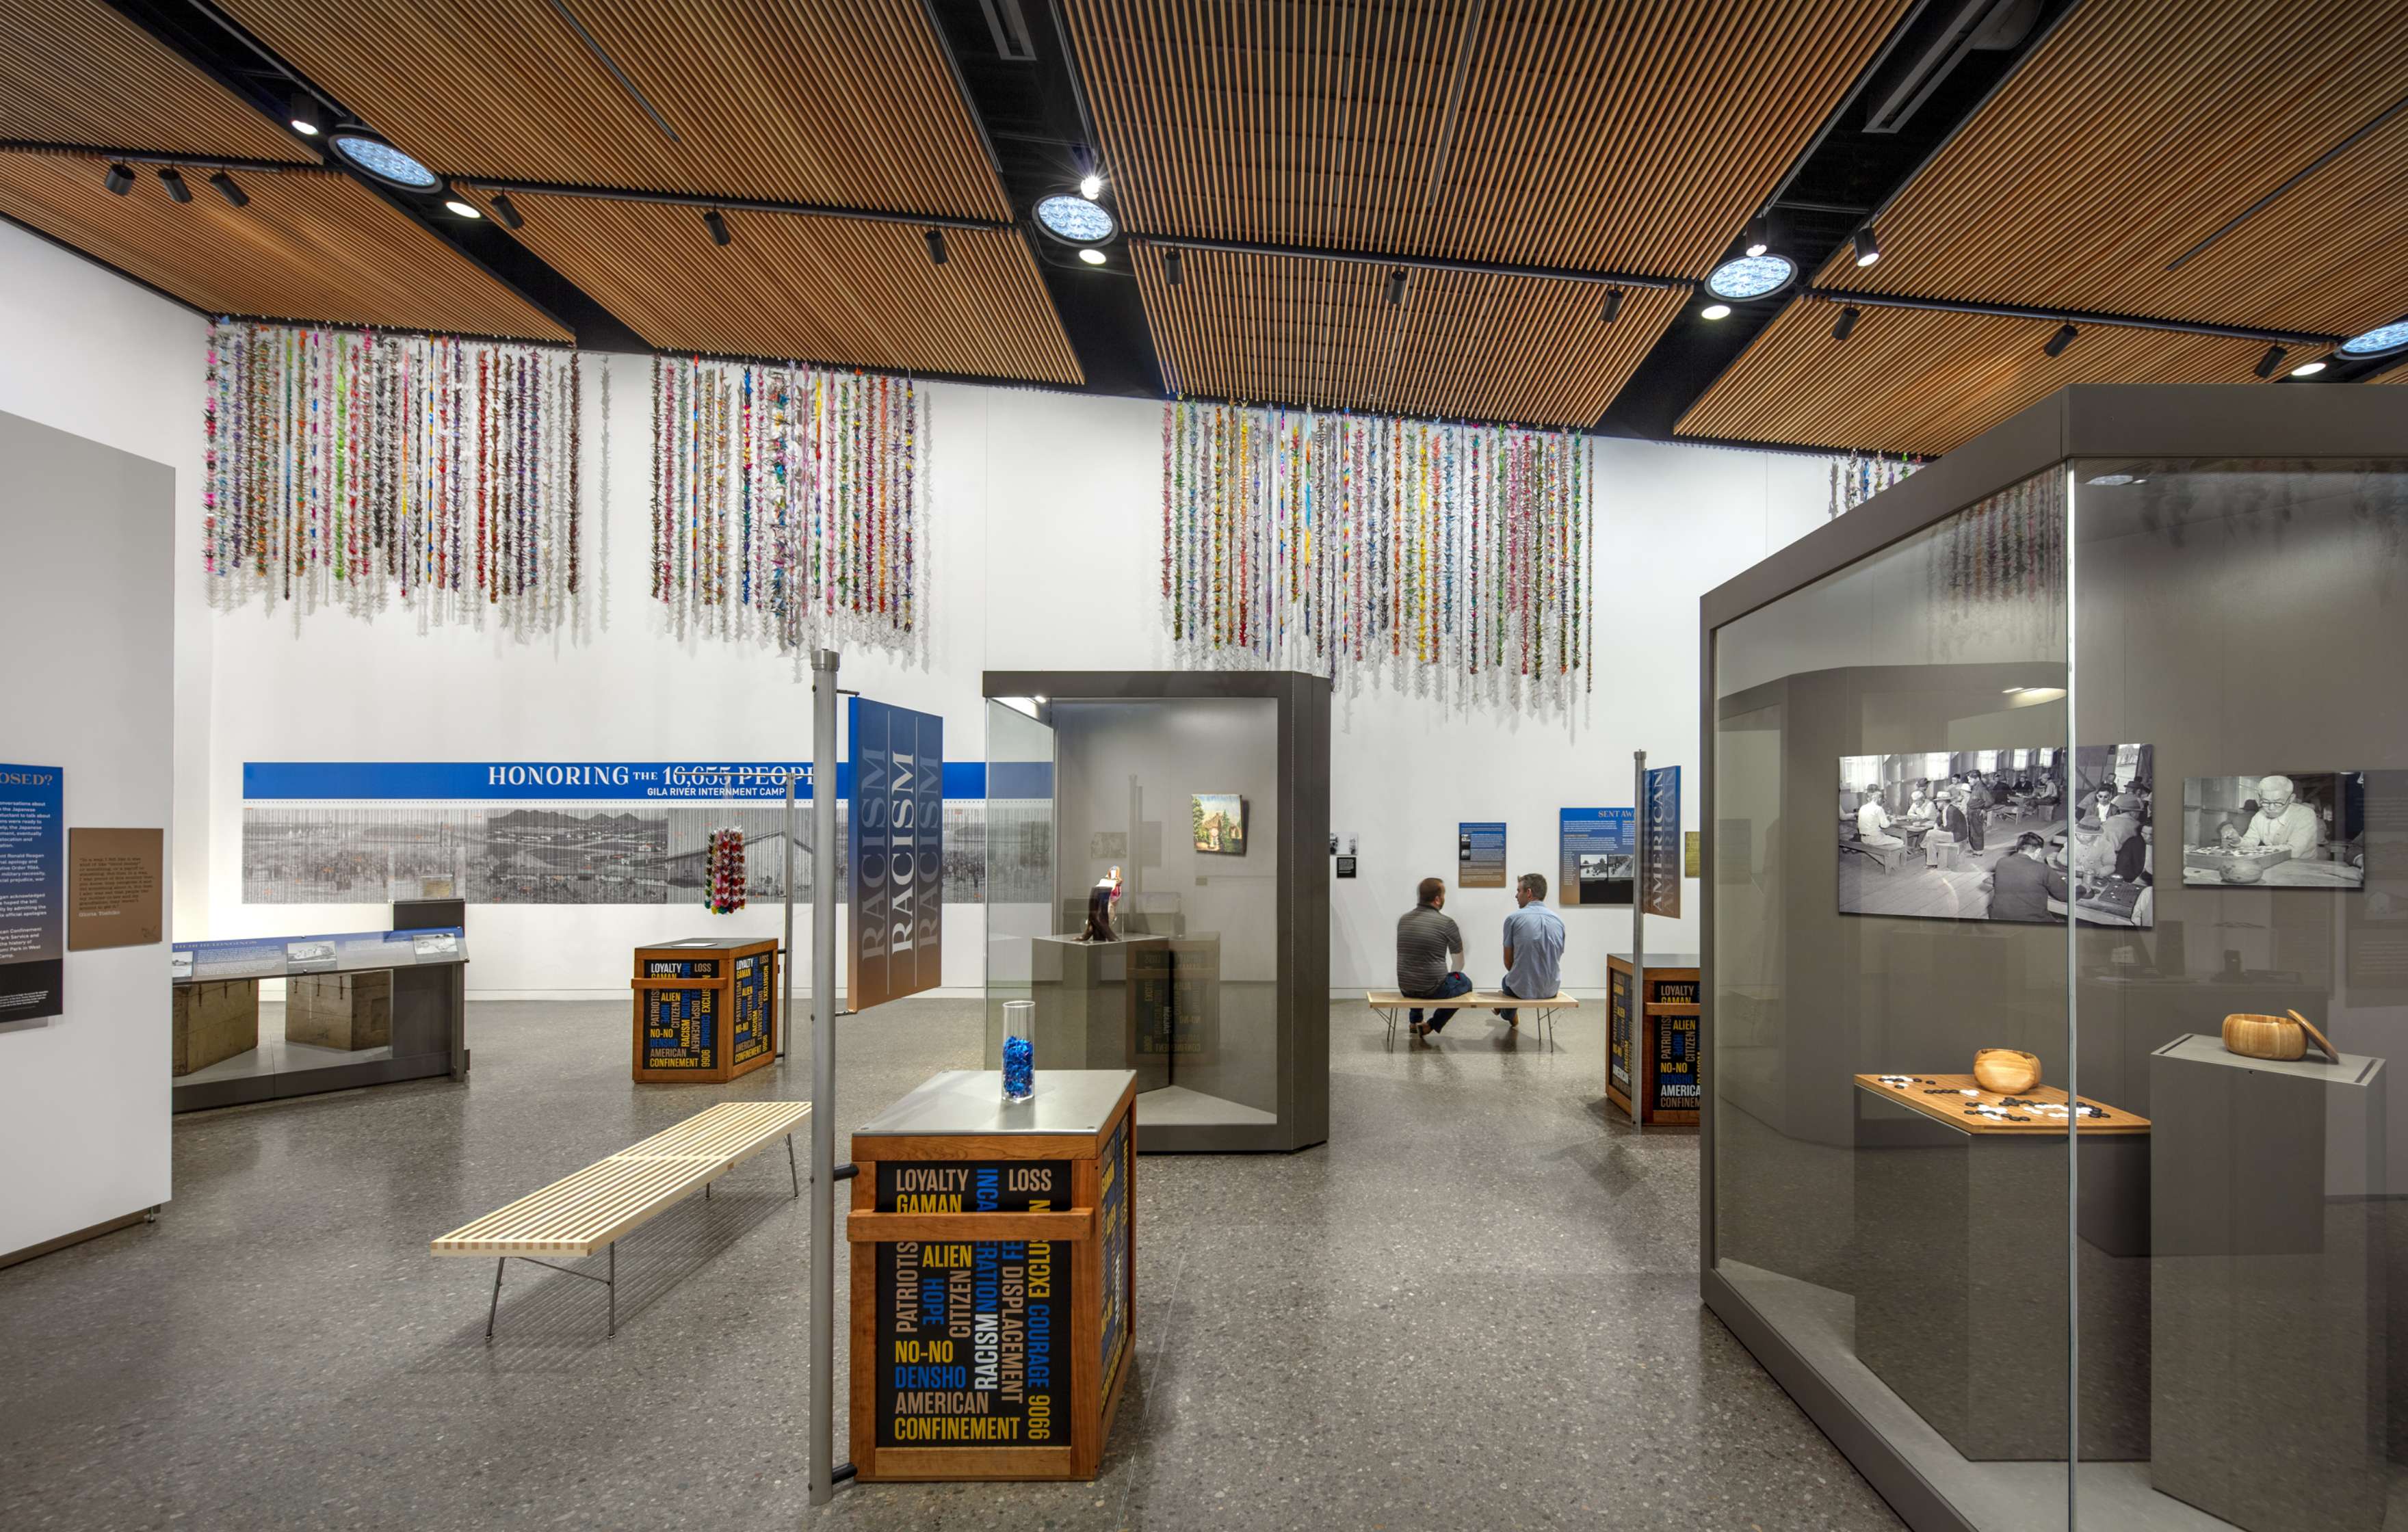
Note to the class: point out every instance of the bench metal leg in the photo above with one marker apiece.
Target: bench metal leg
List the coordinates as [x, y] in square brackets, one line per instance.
[496, 1306]
[705, 1191]
[614, 1289]
[792, 1174]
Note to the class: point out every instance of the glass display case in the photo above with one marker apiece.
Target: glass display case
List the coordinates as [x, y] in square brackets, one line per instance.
[1156, 888]
[2082, 751]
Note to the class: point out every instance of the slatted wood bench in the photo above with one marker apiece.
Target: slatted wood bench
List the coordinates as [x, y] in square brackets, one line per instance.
[1393, 1004]
[592, 1209]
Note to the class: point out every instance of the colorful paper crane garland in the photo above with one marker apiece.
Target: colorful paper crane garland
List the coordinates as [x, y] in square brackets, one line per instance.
[1352, 543]
[786, 503]
[724, 872]
[349, 466]
[1856, 478]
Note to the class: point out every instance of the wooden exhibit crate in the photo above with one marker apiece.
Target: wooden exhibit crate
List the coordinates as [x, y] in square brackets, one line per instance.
[994, 1277]
[1657, 1063]
[214, 1022]
[706, 1008]
[346, 1010]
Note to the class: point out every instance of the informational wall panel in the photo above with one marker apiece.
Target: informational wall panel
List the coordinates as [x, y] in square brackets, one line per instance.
[33, 930]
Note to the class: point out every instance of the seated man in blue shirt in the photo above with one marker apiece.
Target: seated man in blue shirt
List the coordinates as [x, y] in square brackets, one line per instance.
[1534, 945]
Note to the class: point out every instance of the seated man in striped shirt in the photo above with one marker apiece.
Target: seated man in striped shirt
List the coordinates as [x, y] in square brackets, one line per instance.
[1426, 941]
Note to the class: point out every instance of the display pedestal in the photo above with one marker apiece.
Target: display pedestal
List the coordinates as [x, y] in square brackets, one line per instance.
[1960, 1269]
[994, 1268]
[1101, 1005]
[1661, 1066]
[706, 1008]
[2267, 1303]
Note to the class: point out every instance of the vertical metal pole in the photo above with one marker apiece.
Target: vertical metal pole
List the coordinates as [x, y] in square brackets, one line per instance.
[827, 868]
[786, 953]
[1638, 1044]
[2072, 1012]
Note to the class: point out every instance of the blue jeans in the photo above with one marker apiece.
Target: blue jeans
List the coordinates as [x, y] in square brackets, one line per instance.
[1449, 987]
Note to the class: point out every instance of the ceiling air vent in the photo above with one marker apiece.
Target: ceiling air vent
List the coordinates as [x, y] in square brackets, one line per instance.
[1011, 30]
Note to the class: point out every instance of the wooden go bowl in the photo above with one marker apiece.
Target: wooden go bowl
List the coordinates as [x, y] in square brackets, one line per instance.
[2009, 1071]
[2278, 1037]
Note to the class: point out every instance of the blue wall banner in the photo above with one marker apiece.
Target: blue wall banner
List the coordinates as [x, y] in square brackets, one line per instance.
[33, 899]
[598, 782]
[1659, 853]
[1598, 848]
[1480, 854]
[897, 852]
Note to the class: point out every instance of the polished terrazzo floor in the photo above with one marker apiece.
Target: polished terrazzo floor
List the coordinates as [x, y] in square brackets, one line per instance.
[1474, 1307]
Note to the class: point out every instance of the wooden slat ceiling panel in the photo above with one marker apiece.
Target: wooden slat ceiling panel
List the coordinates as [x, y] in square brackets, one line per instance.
[833, 290]
[2142, 125]
[793, 100]
[76, 72]
[1254, 327]
[1913, 380]
[312, 245]
[1615, 134]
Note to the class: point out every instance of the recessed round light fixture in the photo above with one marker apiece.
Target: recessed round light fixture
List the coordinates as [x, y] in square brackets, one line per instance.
[2307, 370]
[1751, 277]
[1091, 186]
[372, 156]
[459, 209]
[1074, 220]
[1714, 310]
[1092, 256]
[2382, 342]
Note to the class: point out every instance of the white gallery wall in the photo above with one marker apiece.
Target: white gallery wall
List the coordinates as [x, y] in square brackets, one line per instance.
[1044, 542]
[92, 539]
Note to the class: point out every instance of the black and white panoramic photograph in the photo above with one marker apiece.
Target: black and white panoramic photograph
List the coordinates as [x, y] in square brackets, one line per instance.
[2000, 835]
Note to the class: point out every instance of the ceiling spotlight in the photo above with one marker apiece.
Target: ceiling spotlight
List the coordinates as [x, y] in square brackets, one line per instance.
[372, 157]
[1868, 247]
[2307, 370]
[1714, 310]
[459, 209]
[173, 180]
[717, 223]
[118, 180]
[936, 247]
[2056, 344]
[507, 210]
[1170, 268]
[235, 196]
[1758, 238]
[1752, 277]
[1610, 310]
[302, 112]
[1075, 220]
[1092, 256]
[2381, 341]
[1846, 324]
[1091, 186]
[1395, 286]
[2273, 359]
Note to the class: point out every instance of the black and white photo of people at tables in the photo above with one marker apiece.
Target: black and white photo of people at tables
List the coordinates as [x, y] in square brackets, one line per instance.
[2000, 835]
[2297, 829]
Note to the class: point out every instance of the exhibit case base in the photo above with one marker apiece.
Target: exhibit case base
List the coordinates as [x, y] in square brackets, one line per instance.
[994, 1277]
[705, 1009]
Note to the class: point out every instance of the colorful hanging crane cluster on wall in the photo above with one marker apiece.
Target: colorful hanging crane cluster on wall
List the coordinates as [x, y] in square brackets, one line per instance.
[786, 503]
[1458, 554]
[349, 466]
[1856, 478]
[724, 875]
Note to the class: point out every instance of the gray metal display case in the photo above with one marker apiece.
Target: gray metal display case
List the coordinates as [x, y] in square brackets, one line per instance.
[2267, 1289]
[1254, 1029]
[2257, 588]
